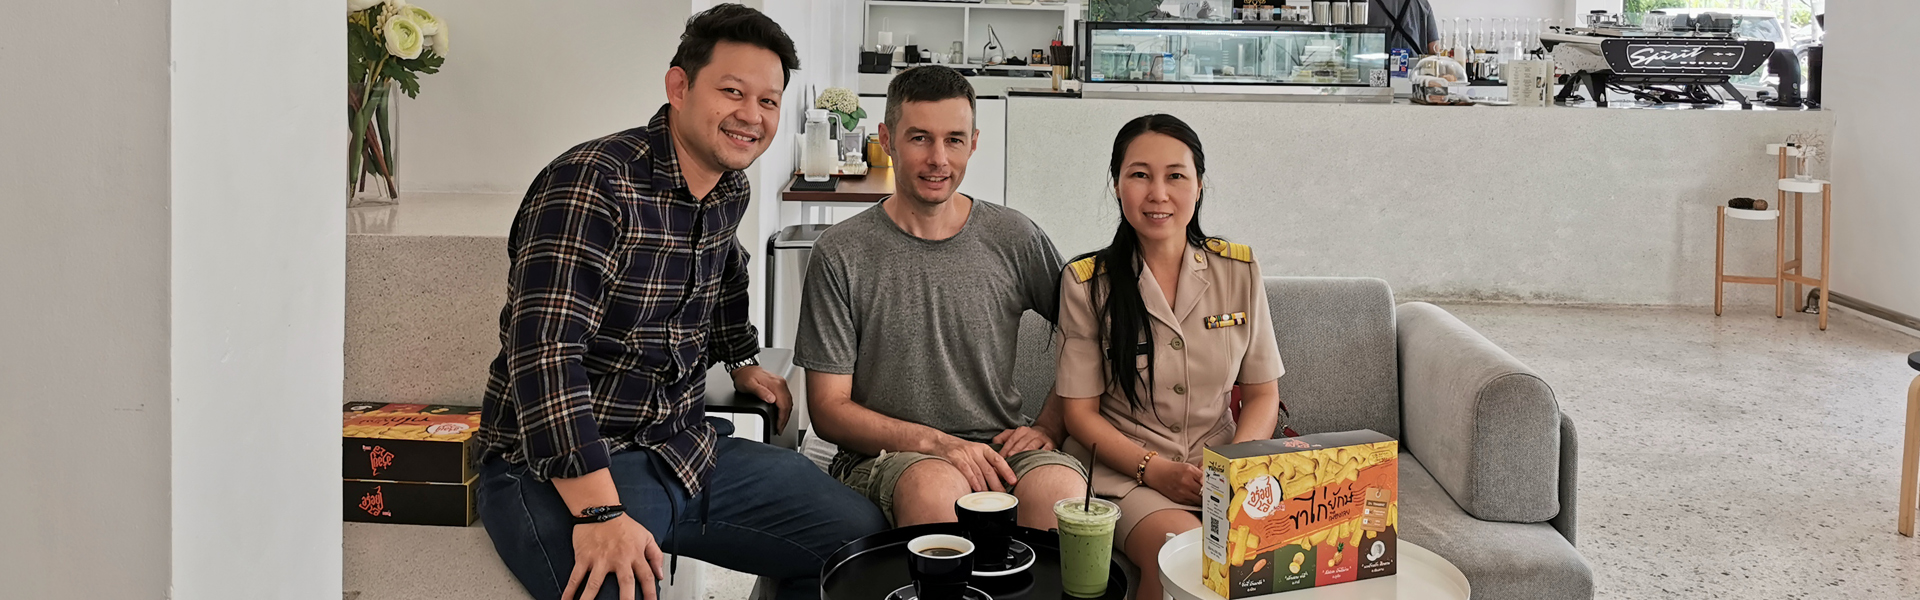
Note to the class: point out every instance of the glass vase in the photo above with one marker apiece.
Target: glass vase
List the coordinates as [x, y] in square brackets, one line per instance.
[371, 152]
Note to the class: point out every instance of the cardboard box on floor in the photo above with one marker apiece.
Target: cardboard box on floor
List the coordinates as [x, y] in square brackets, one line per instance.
[409, 463]
[1295, 513]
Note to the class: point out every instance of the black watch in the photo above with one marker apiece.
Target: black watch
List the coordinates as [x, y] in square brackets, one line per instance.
[751, 361]
[599, 514]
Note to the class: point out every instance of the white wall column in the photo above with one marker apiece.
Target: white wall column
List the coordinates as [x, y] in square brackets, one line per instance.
[1876, 207]
[83, 261]
[258, 293]
[174, 252]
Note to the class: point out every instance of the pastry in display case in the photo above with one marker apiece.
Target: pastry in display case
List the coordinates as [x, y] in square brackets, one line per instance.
[1342, 62]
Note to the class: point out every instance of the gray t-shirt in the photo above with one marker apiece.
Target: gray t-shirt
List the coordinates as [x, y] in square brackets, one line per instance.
[928, 328]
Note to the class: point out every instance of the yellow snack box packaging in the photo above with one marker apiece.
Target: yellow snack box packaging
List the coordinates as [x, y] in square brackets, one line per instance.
[426, 443]
[1294, 513]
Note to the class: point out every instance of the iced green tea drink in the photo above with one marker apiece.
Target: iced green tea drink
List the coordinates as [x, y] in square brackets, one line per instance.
[1086, 544]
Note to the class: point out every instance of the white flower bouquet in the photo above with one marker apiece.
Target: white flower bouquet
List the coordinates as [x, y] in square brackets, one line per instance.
[843, 103]
[389, 42]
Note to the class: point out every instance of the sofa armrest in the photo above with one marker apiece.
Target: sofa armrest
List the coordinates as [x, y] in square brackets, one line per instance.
[1568, 520]
[1485, 425]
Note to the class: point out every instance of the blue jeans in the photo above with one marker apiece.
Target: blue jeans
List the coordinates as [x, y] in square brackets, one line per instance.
[770, 512]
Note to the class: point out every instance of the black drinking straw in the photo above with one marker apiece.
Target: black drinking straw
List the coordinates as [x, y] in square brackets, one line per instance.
[1088, 504]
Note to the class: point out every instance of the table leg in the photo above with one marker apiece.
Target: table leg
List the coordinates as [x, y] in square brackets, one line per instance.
[1779, 264]
[1720, 258]
[1826, 252]
[1799, 254]
[1780, 204]
[1910, 463]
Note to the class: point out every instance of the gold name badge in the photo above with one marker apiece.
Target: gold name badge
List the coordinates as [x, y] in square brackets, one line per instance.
[1231, 320]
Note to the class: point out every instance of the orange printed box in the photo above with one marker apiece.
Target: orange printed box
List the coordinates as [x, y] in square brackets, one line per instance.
[424, 443]
[1295, 513]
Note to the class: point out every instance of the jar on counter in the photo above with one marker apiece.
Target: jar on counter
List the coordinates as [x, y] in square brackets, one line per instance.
[820, 155]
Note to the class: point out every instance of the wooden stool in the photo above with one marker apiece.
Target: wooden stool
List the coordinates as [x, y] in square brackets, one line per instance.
[1910, 465]
[1794, 270]
[1720, 276]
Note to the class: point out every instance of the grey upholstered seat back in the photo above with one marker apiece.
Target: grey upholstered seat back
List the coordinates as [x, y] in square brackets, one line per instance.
[1339, 346]
[1033, 365]
[1336, 337]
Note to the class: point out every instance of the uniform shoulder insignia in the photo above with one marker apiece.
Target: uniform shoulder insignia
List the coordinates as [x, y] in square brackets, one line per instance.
[1082, 269]
[1239, 252]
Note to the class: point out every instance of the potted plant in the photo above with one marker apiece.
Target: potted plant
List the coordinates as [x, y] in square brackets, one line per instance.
[845, 106]
[390, 44]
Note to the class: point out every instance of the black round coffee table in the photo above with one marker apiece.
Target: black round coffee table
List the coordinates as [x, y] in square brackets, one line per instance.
[871, 567]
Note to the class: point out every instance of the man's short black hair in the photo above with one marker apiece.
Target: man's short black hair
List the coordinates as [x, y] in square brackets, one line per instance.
[925, 83]
[733, 23]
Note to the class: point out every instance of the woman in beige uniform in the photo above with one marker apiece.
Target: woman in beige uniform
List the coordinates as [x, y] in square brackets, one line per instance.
[1193, 312]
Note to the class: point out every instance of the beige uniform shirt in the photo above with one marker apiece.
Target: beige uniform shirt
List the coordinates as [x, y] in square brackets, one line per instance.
[1196, 366]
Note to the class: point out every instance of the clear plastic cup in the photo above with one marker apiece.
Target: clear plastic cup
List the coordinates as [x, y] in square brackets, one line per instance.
[1086, 544]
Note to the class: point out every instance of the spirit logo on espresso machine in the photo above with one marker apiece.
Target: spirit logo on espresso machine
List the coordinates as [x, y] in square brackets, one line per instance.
[1720, 57]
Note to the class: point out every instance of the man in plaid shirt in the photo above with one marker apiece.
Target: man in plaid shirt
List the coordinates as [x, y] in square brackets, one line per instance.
[626, 284]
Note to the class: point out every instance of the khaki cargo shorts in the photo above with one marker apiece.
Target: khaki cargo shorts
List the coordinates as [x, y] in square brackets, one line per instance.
[876, 476]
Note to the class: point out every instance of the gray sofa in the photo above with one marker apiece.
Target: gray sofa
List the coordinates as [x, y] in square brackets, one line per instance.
[1488, 461]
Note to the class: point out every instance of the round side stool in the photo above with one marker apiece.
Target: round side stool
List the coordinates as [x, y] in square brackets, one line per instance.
[1720, 276]
[1795, 269]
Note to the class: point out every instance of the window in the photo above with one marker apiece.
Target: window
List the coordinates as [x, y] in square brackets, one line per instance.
[1797, 14]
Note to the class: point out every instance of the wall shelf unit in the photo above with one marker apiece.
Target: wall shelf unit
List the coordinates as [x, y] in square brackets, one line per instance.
[936, 25]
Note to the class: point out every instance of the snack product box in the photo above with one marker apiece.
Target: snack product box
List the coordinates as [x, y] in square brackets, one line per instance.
[1294, 513]
[424, 443]
[409, 503]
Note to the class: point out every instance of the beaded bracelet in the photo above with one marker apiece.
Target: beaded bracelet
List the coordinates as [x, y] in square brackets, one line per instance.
[1140, 472]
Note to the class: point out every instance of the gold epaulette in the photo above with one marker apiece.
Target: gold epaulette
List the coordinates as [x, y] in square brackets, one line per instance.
[1239, 252]
[1082, 269]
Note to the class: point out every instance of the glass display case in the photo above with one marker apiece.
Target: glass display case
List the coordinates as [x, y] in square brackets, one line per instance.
[1236, 58]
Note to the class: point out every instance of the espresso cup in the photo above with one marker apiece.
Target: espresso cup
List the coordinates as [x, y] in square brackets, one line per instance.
[990, 519]
[940, 566]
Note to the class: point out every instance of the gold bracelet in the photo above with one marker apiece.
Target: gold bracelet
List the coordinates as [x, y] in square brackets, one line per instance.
[1140, 472]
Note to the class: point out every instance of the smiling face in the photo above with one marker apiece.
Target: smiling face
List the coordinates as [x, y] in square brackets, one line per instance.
[725, 115]
[1158, 187]
[930, 146]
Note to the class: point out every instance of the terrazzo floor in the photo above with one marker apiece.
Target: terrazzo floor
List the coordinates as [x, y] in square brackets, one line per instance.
[1734, 457]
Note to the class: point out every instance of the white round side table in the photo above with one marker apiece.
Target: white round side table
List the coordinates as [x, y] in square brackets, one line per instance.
[1421, 575]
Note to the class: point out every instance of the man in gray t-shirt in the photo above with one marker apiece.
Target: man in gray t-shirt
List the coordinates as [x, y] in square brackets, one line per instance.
[909, 323]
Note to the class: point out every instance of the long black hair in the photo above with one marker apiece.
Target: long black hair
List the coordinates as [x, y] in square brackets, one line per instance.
[1125, 330]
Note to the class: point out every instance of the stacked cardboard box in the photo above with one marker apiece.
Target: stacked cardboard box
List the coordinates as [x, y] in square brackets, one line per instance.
[409, 463]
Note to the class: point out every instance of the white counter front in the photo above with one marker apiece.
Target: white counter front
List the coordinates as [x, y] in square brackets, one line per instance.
[1457, 203]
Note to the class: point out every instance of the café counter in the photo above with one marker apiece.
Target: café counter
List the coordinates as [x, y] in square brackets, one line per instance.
[1484, 203]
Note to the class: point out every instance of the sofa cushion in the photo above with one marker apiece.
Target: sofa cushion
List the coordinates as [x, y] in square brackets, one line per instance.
[1337, 341]
[1502, 561]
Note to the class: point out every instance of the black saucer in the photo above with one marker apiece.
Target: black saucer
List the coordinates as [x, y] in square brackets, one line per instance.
[1020, 557]
[906, 593]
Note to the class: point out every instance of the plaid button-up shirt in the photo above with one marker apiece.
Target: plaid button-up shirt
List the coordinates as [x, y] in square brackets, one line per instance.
[623, 289]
